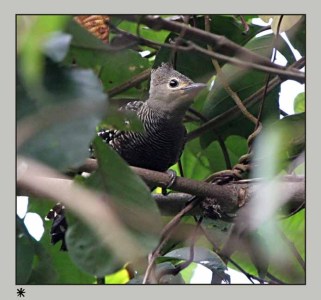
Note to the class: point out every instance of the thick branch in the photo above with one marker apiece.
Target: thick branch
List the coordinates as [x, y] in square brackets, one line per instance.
[230, 197]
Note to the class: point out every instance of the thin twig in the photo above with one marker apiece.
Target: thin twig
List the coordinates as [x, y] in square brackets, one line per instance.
[134, 81]
[283, 113]
[100, 280]
[165, 235]
[180, 168]
[221, 77]
[272, 277]
[178, 41]
[186, 263]
[245, 25]
[248, 275]
[219, 138]
[292, 248]
[268, 77]
[233, 112]
[220, 43]
[285, 73]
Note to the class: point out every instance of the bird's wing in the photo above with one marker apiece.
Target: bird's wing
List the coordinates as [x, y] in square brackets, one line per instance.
[109, 135]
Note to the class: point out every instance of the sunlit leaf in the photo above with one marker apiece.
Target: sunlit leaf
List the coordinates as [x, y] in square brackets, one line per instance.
[205, 257]
[299, 103]
[168, 278]
[119, 277]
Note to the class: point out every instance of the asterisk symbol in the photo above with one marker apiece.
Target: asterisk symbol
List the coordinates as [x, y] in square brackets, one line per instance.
[21, 292]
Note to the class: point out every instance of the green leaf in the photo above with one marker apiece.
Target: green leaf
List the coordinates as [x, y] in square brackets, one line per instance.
[297, 36]
[299, 103]
[162, 268]
[31, 42]
[65, 120]
[34, 265]
[144, 31]
[278, 145]
[236, 147]
[26, 105]
[59, 259]
[257, 250]
[196, 65]
[168, 278]
[205, 257]
[82, 38]
[194, 161]
[284, 248]
[121, 120]
[218, 231]
[87, 251]
[294, 228]
[189, 272]
[232, 28]
[122, 66]
[25, 253]
[244, 83]
[114, 67]
[119, 277]
[131, 194]
[133, 204]
[43, 271]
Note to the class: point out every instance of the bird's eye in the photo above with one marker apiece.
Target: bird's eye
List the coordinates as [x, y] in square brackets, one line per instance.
[173, 83]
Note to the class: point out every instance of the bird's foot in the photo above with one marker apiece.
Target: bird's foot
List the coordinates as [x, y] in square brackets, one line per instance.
[172, 174]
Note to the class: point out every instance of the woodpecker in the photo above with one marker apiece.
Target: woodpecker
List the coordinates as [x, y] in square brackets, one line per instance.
[161, 142]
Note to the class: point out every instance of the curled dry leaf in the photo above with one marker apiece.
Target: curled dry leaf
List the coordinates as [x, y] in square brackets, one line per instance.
[96, 24]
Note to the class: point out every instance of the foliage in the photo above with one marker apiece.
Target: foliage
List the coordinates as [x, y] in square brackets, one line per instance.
[66, 78]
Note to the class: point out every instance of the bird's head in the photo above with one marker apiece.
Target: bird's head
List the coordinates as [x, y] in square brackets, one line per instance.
[171, 91]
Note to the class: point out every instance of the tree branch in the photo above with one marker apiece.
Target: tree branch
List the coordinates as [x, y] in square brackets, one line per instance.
[230, 197]
[285, 73]
[220, 43]
[129, 83]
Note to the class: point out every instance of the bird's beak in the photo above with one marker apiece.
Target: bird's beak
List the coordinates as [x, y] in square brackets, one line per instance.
[194, 88]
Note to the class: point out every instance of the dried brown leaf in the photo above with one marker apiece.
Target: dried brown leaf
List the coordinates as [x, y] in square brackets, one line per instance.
[95, 24]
